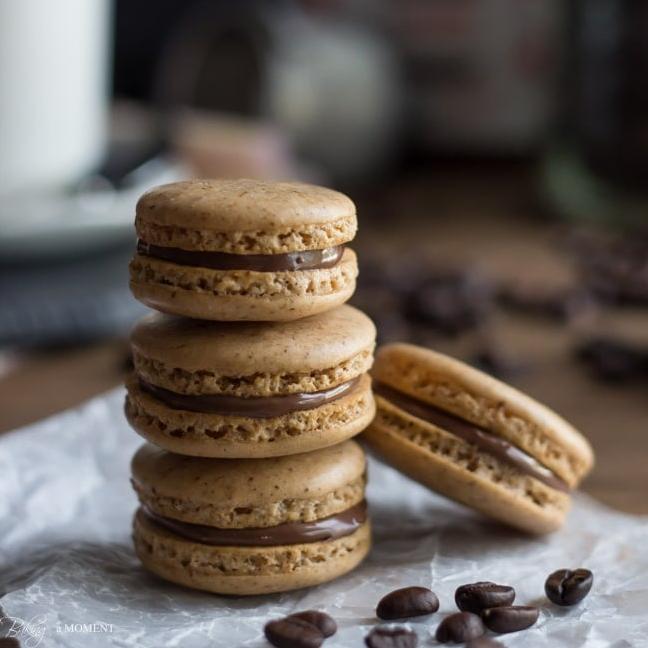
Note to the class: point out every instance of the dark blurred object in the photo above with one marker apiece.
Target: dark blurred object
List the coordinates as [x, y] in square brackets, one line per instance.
[538, 300]
[614, 361]
[480, 75]
[615, 269]
[598, 168]
[492, 360]
[68, 302]
[451, 302]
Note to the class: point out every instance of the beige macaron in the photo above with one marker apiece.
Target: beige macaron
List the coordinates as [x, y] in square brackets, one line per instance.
[251, 389]
[243, 250]
[252, 526]
[475, 439]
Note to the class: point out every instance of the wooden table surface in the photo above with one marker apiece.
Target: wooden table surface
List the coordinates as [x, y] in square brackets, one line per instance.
[481, 220]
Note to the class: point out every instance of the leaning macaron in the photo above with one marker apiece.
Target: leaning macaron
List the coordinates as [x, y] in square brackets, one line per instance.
[475, 439]
[251, 526]
[243, 250]
[251, 389]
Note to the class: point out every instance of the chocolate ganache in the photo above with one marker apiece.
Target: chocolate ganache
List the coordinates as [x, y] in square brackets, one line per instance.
[253, 407]
[473, 434]
[329, 528]
[290, 261]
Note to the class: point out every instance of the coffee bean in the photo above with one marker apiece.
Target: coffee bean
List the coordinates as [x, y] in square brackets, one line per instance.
[484, 642]
[293, 633]
[9, 642]
[510, 618]
[614, 361]
[407, 602]
[391, 638]
[323, 622]
[460, 627]
[567, 587]
[477, 597]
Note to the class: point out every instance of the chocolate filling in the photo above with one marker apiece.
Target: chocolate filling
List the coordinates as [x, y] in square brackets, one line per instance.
[329, 528]
[255, 407]
[303, 260]
[473, 434]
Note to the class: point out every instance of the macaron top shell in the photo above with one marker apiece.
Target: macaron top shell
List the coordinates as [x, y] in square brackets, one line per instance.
[245, 348]
[234, 492]
[470, 394]
[244, 205]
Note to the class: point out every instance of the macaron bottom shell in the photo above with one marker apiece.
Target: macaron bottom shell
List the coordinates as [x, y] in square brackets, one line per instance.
[247, 571]
[240, 295]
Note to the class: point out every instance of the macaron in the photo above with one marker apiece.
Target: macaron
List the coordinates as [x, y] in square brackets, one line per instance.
[251, 526]
[251, 389]
[475, 439]
[243, 250]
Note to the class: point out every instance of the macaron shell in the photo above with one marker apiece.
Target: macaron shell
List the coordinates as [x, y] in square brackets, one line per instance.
[481, 399]
[213, 435]
[448, 465]
[242, 204]
[226, 349]
[247, 482]
[247, 570]
[240, 295]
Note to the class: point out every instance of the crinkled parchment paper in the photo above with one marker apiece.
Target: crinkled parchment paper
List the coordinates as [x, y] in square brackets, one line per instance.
[69, 576]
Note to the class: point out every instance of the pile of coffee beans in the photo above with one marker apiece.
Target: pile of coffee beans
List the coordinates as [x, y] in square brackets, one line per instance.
[483, 606]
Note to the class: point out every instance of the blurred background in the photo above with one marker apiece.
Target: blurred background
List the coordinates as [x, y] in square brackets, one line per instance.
[497, 151]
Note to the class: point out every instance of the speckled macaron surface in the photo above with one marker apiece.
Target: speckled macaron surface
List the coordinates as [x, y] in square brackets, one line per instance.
[475, 439]
[251, 526]
[251, 389]
[243, 250]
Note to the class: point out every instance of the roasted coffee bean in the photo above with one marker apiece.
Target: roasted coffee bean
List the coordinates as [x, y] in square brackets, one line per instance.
[322, 621]
[293, 633]
[9, 642]
[407, 602]
[567, 587]
[477, 597]
[510, 618]
[614, 361]
[459, 628]
[484, 642]
[450, 302]
[391, 638]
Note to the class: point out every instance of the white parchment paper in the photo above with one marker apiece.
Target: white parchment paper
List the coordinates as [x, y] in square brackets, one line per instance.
[69, 577]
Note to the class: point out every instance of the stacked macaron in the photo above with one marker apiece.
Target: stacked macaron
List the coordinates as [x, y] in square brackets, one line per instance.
[251, 382]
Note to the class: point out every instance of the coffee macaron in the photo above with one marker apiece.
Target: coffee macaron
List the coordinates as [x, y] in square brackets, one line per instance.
[475, 439]
[251, 389]
[243, 250]
[251, 526]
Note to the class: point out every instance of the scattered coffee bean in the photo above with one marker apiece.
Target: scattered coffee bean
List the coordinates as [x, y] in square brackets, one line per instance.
[567, 587]
[477, 597]
[322, 621]
[9, 642]
[614, 361]
[510, 618]
[459, 628]
[292, 632]
[407, 602]
[391, 638]
[451, 302]
[484, 642]
[542, 302]
[493, 361]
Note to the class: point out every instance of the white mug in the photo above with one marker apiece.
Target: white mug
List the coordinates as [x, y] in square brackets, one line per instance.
[53, 91]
